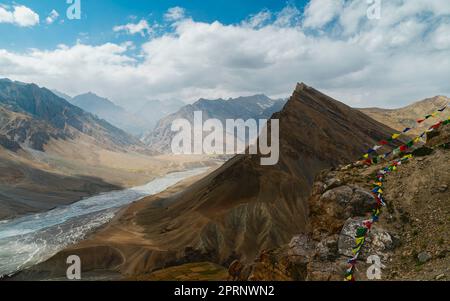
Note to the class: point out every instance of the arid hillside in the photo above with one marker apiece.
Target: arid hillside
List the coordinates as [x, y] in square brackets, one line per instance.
[402, 118]
[241, 208]
[411, 237]
[54, 153]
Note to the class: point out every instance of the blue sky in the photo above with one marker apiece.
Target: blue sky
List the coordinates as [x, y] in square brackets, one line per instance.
[100, 16]
[364, 53]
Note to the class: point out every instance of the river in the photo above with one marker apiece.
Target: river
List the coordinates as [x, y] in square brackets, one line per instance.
[31, 239]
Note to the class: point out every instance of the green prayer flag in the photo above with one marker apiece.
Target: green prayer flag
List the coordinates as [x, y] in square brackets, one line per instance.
[361, 231]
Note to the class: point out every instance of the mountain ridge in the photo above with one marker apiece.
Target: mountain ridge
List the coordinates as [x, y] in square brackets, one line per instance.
[257, 106]
[406, 116]
[65, 118]
[242, 207]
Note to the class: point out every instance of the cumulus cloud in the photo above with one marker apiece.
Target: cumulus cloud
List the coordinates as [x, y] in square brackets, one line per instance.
[259, 19]
[320, 12]
[175, 13]
[52, 17]
[19, 15]
[402, 57]
[142, 28]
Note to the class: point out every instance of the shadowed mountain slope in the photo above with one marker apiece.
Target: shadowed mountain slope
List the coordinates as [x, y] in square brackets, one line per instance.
[240, 208]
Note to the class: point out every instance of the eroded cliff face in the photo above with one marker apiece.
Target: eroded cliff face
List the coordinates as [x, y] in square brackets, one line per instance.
[411, 237]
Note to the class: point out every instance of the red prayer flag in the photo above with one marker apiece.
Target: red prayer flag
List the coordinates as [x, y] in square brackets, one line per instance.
[437, 125]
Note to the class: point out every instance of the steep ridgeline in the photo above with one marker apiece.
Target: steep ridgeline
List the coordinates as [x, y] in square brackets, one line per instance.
[256, 107]
[62, 95]
[241, 208]
[410, 237]
[114, 114]
[406, 117]
[32, 116]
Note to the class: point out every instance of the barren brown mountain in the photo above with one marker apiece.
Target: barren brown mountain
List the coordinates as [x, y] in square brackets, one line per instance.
[53, 153]
[411, 237]
[239, 209]
[402, 118]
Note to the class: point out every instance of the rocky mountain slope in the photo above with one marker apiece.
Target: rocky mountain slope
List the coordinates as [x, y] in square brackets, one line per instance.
[62, 95]
[58, 119]
[239, 209]
[54, 153]
[255, 107]
[402, 118]
[411, 237]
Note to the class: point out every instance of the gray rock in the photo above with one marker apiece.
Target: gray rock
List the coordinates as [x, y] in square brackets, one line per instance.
[342, 195]
[362, 202]
[379, 241]
[9, 144]
[346, 239]
[424, 257]
[354, 200]
[302, 245]
[327, 248]
[443, 188]
[333, 182]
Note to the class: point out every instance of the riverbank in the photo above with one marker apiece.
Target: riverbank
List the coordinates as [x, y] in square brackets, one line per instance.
[27, 241]
[34, 182]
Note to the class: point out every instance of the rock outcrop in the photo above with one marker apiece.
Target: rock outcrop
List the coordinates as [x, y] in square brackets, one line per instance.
[341, 199]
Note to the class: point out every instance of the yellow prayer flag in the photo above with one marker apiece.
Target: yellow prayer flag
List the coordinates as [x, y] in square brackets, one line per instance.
[356, 250]
[359, 240]
[366, 156]
[395, 136]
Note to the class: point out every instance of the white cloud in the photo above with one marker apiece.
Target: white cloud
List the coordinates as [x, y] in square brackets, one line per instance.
[320, 12]
[175, 14]
[52, 17]
[404, 56]
[288, 16]
[440, 39]
[19, 15]
[258, 20]
[142, 27]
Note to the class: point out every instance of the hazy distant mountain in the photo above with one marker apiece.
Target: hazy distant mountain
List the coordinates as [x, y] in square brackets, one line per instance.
[407, 116]
[152, 111]
[51, 151]
[107, 110]
[256, 107]
[62, 95]
[36, 115]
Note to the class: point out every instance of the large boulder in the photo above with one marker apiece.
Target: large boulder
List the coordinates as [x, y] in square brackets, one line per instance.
[378, 241]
